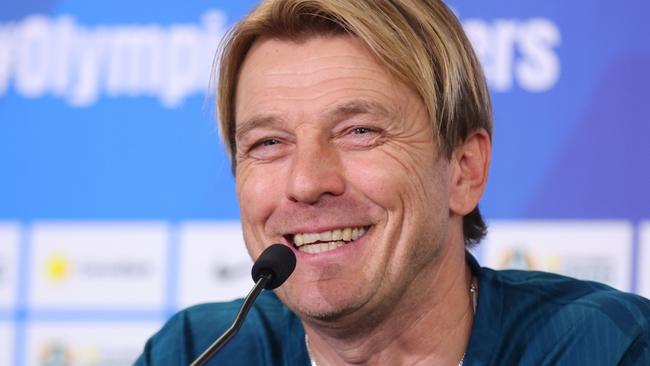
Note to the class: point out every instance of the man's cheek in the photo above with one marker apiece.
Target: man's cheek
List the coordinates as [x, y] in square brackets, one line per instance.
[251, 188]
[242, 176]
[378, 180]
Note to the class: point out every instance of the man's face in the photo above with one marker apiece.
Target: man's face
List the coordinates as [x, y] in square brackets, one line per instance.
[333, 151]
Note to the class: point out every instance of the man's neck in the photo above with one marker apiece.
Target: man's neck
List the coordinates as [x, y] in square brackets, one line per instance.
[430, 325]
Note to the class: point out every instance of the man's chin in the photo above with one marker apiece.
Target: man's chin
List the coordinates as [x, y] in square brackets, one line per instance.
[322, 310]
[330, 315]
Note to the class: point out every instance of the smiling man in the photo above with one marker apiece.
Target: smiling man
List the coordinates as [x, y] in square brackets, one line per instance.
[360, 135]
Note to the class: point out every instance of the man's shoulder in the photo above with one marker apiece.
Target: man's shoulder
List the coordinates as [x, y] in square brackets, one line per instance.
[561, 293]
[190, 331]
[562, 319]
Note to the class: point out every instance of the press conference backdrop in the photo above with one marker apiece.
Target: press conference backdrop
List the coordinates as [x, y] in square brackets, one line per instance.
[117, 205]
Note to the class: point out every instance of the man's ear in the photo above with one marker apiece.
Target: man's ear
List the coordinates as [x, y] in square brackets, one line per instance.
[470, 163]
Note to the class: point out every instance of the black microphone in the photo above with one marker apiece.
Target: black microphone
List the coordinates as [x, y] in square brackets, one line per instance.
[270, 270]
[277, 260]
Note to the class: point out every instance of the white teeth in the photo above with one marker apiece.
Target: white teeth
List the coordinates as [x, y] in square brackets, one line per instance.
[356, 233]
[311, 237]
[347, 234]
[326, 236]
[298, 240]
[326, 240]
[321, 247]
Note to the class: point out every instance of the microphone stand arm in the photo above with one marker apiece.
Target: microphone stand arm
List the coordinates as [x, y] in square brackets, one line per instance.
[203, 359]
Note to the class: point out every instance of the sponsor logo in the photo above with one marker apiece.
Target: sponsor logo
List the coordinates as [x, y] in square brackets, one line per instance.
[591, 267]
[598, 251]
[93, 264]
[224, 272]
[214, 264]
[59, 267]
[517, 258]
[57, 353]
[61, 343]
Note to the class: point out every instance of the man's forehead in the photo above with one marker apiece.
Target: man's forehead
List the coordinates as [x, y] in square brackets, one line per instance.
[277, 68]
[273, 47]
[277, 58]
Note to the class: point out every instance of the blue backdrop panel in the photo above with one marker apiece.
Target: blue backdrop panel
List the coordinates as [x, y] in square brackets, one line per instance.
[568, 142]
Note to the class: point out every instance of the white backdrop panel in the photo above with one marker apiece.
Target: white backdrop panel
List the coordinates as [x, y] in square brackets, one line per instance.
[215, 265]
[89, 343]
[9, 243]
[6, 344]
[644, 259]
[590, 250]
[98, 265]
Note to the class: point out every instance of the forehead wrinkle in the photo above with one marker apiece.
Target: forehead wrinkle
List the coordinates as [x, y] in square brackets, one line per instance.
[371, 107]
[297, 89]
[356, 107]
[280, 85]
[277, 80]
[321, 68]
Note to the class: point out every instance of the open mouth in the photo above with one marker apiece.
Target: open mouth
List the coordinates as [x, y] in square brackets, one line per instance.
[327, 240]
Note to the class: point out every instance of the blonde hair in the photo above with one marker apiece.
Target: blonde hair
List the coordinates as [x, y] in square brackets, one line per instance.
[419, 42]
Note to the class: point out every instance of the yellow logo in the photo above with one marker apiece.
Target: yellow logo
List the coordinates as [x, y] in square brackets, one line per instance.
[57, 267]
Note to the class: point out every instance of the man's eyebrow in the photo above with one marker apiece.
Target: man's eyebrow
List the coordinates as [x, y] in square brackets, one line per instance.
[336, 113]
[256, 121]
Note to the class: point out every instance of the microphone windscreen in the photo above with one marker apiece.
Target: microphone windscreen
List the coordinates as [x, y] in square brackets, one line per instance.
[278, 260]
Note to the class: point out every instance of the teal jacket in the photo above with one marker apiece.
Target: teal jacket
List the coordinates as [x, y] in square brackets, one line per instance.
[522, 318]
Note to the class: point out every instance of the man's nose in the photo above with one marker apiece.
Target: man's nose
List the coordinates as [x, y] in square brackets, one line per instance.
[316, 171]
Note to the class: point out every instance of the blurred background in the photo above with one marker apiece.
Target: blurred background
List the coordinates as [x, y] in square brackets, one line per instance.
[117, 206]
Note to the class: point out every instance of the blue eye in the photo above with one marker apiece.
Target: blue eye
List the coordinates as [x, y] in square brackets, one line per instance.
[267, 149]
